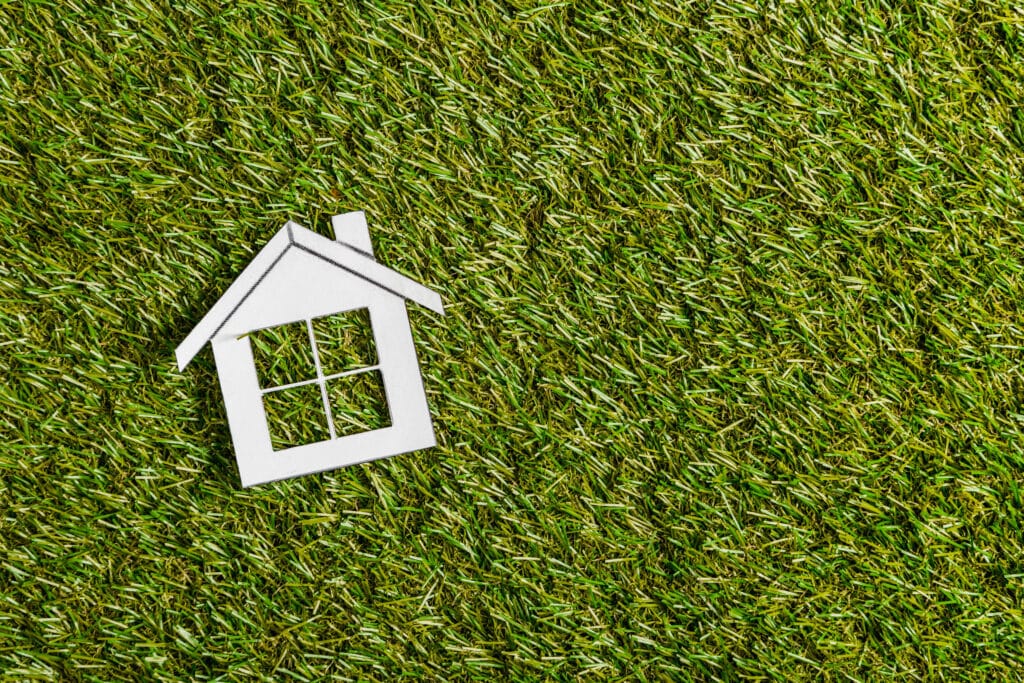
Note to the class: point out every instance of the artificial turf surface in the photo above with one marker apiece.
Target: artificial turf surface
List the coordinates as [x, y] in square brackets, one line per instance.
[728, 388]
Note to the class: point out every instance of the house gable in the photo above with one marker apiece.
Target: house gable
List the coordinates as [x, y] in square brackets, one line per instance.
[299, 287]
[318, 254]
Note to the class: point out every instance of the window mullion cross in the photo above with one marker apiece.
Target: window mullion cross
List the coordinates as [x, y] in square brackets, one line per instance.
[320, 379]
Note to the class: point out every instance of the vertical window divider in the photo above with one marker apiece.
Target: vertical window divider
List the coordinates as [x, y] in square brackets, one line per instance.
[320, 379]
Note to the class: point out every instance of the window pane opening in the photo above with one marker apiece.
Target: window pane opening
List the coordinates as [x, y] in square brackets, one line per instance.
[358, 403]
[295, 416]
[283, 355]
[344, 341]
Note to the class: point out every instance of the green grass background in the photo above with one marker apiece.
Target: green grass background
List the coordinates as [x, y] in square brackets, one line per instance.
[729, 385]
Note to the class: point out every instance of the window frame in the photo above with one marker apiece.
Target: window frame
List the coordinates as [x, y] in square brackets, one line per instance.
[321, 379]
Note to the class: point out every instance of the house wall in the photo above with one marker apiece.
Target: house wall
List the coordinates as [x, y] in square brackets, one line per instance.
[302, 286]
[399, 368]
[243, 403]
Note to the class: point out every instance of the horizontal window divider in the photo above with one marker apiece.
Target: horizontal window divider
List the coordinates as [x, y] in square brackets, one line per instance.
[316, 380]
[303, 383]
[352, 372]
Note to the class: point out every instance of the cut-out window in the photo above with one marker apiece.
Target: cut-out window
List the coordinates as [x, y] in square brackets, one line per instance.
[283, 355]
[358, 403]
[345, 342]
[295, 416]
[320, 379]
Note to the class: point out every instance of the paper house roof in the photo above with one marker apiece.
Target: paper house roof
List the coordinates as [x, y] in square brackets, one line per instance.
[294, 236]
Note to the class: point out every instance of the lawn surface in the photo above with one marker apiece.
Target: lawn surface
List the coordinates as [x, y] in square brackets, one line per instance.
[729, 385]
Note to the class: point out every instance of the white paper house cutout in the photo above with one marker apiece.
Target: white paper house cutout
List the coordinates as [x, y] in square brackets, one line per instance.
[299, 276]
